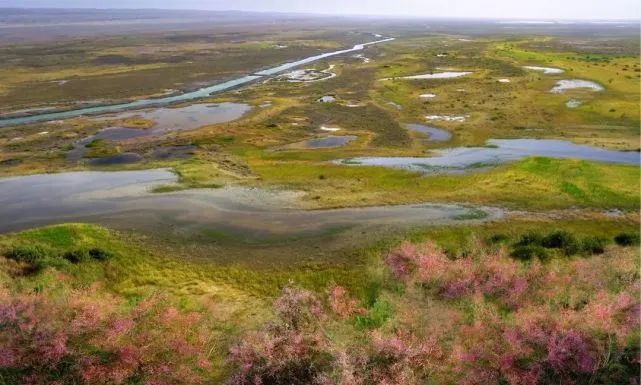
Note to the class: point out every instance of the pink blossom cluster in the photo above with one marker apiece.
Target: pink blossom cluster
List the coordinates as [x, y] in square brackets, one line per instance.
[85, 337]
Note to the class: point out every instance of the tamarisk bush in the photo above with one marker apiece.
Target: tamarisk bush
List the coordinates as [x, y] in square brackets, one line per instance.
[88, 337]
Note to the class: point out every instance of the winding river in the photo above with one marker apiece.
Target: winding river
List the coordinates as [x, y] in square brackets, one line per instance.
[184, 97]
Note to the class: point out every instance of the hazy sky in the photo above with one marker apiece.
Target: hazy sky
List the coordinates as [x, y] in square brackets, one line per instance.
[548, 9]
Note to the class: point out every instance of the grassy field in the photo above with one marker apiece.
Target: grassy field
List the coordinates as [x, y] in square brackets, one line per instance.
[535, 184]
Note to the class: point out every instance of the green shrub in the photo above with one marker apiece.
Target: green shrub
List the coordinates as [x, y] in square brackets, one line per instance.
[498, 238]
[563, 240]
[529, 251]
[530, 238]
[594, 245]
[376, 316]
[76, 256]
[558, 239]
[32, 254]
[99, 254]
[39, 257]
[627, 239]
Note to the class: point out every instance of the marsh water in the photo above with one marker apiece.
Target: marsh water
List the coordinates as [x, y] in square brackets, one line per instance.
[329, 141]
[434, 134]
[187, 117]
[436, 75]
[122, 200]
[164, 120]
[571, 84]
[545, 70]
[458, 159]
[178, 98]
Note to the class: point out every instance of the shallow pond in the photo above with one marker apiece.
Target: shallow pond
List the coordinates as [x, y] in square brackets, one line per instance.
[124, 158]
[573, 103]
[326, 99]
[165, 120]
[186, 118]
[329, 141]
[447, 118]
[395, 105]
[309, 75]
[459, 159]
[122, 200]
[330, 129]
[173, 152]
[121, 133]
[438, 75]
[545, 70]
[435, 134]
[564, 85]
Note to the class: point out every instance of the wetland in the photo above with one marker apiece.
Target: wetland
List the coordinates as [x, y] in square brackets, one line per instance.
[218, 163]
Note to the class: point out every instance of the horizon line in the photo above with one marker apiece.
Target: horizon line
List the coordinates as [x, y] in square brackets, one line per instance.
[515, 19]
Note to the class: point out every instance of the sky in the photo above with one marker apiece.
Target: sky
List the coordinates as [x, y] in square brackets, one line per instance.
[505, 9]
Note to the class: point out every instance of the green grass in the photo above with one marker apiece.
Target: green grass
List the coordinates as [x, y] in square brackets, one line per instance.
[142, 265]
[534, 183]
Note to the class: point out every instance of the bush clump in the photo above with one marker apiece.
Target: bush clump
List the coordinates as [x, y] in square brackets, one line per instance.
[562, 240]
[39, 257]
[594, 245]
[527, 252]
[627, 239]
[530, 238]
[99, 254]
[87, 337]
[76, 256]
[533, 244]
[31, 254]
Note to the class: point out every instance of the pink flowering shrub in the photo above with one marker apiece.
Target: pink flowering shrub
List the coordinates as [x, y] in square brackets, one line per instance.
[531, 323]
[297, 349]
[342, 304]
[401, 359]
[298, 308]
[85, 337]
[481, 319]
[291, 351]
